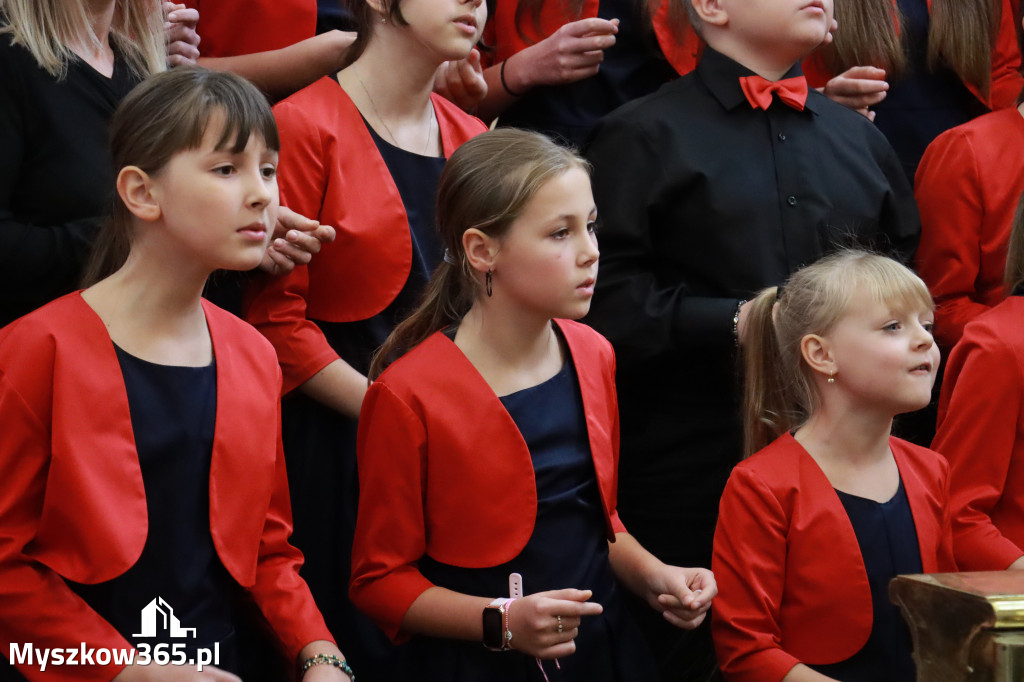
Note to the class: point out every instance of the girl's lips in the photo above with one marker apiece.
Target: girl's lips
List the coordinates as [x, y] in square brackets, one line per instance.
[255, 232]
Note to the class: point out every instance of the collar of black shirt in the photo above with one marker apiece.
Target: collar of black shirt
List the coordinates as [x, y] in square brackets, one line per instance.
[721, 76]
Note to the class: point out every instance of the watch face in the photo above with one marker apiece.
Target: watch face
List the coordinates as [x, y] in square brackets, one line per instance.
[493, 629]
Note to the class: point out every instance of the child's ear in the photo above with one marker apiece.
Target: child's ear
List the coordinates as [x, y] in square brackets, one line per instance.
[817, 353]
[135, 188]
[711, 12]
[481, 249]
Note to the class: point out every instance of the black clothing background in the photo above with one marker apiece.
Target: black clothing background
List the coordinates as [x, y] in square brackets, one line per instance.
[703, 202]
[55, 173]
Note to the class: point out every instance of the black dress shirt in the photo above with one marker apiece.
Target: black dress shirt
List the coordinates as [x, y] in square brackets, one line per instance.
[56, 180]
[703, 201]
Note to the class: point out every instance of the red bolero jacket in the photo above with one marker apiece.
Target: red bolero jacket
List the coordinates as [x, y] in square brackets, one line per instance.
[330, 170]
[1005, 80]
[444, 471]
[73, 505]
[792, 587]
[981, 433]
[967, 187]
[268, 25]
[682, 52]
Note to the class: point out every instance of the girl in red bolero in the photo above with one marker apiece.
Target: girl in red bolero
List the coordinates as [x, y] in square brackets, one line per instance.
[362, 152]
[141, 450]
[981, 417]
[490, 446]
[814, 525]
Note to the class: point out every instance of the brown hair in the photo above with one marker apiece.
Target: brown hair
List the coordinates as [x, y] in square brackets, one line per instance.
[779, 389]
[486, 185]
[166, 114]
[1014, 276]
[961, 35]
[366, 18]
[47, 28]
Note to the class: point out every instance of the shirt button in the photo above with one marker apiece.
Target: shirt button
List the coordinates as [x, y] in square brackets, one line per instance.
[791, 200]
[782, 137]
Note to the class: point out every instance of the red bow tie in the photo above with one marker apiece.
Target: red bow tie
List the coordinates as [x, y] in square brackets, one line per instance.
[792, 91]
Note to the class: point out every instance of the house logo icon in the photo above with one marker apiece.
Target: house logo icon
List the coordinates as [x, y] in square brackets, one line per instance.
[158, 615]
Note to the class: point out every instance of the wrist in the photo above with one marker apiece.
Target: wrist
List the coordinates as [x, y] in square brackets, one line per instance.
[497, 635]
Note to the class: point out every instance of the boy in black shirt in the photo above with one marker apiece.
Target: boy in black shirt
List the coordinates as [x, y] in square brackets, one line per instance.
[719, 184]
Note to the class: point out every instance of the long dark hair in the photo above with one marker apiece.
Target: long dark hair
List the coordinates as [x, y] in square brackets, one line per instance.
[961, 35]
[165, 114]
[486, 184]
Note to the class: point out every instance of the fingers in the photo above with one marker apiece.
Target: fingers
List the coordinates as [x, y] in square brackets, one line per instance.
[683, 623]
[288, 219]
[590, 26]
[182, 15]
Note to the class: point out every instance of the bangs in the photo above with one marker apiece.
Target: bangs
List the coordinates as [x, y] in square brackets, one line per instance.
[894, 285]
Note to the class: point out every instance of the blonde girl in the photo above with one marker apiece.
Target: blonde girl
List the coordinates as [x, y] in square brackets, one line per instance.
[830, 506]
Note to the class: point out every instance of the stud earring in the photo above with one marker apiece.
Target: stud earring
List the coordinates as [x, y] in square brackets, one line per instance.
[832, 378]
[487, 282]
[383, 19]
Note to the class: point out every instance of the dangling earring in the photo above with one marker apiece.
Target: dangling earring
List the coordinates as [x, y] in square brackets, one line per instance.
[832, 378]
[487, 283]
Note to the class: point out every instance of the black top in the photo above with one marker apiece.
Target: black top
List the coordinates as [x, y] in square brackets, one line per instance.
[704, 201]
[632, 68]
[416, 178]
[888, 543]
[567, 549]
[173, 412]
[925, 102]
[55, 173]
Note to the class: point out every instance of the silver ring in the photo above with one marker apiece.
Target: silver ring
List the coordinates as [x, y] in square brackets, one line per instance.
[559, 619]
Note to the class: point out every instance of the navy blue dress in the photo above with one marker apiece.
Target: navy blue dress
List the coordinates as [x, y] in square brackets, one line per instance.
[634, 67]
[568, 548]
[173, 412]
[888, 542]
[320, 443]
[924, 103]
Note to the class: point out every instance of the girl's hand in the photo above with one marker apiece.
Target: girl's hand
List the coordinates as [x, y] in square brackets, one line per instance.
[573, 52]
[533, 621]
[173, 673]
[182, 40]
[296, 239]
[462, 82]
[683, 595]
[859, 87]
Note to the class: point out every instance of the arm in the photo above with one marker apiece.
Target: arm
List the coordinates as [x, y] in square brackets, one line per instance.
[279, 73]
[980, 439]
[573, 52]
[949, 195]
[682, 595]
[749, 563]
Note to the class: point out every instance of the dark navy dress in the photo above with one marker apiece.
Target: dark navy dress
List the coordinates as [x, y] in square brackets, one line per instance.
[568, 548]
[888, 542]
[173, 413]
[320, 444]
[634, 67]
[924, 103]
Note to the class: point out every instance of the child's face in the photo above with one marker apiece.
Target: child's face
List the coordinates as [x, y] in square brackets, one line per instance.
[219, 208]
[884, 358]
[797, 26]
[448, 29]
[547, 262]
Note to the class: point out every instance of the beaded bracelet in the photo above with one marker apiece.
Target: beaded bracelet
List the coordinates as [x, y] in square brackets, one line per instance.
[504, 83]
[328, 659]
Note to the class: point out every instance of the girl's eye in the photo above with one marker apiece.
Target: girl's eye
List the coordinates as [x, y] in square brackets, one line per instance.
[892, 327]
[560, 233]
[592, 226]
[929, 327]
[224, 170]
[269, 172]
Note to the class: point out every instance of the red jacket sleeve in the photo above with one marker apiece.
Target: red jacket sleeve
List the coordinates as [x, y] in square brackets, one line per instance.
[277, 305]
[978, 438]
[390, 527]
[1006, 79]
[749, 563]
[36, 605]
[282, 596]
[949, 196]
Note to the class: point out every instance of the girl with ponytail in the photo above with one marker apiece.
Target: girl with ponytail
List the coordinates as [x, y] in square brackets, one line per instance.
[488, 446]
[830, 507]
[947, 61]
